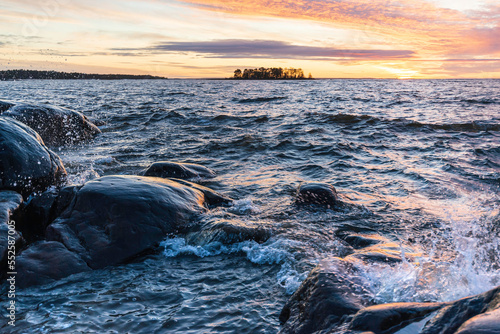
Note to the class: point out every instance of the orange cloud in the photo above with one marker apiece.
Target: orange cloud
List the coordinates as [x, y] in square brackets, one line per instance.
[420, 24]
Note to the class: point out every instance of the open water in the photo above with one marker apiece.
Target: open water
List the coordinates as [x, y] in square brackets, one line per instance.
[417, 161]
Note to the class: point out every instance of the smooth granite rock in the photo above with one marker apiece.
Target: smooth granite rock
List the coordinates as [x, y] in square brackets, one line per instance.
[57, 126]
[46, 261]
[113, 218]
[26, 164]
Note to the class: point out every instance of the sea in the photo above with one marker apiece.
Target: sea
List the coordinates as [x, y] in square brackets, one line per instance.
[416, 161]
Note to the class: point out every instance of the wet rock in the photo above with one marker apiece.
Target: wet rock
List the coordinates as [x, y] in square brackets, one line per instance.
[26, 164]
[57, 126]
[388, 252]
[387, 318]
[113, 218]
[5, 106]
[357, 240]
[212, 197]
[486, 323]
[328, 297]
[37, 214]
[228, 233]
[450, 318]
[10, 201]
[317, 193]
[46, 261]
[169, 169]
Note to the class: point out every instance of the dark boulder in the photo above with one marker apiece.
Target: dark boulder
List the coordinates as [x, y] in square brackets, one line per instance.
[169, 169]
[486, 323]
[5, 106]
[228, 233]
[57, 126]
[26, 164]
[327, 298]
[387, 318]
[113, 218]
[450, 318]
[10, 201]
[37, 214]
[317, 193]
[46, 261]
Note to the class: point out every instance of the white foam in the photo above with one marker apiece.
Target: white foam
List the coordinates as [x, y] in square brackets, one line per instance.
[271, 252]
[244, 207]
[83, 177]
[474, 268]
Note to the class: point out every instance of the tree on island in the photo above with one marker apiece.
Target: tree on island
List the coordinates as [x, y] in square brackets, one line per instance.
[272, 73]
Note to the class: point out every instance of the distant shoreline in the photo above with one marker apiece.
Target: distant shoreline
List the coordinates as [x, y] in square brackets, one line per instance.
[11, 75]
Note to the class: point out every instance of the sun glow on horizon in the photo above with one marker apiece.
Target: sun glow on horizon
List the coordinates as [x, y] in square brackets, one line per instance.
[210, 38]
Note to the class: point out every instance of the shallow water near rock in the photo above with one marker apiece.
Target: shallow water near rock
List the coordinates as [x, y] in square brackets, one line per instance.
[416, 162]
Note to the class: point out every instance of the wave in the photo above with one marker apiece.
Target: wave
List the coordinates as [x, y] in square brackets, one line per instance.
[262, 99]
[275, 252]
[472, 126]
[480, 101]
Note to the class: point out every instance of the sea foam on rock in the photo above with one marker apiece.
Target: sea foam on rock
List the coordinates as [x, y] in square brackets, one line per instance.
[336, 298]
[26, 164]
[57, 126]
[169, 169]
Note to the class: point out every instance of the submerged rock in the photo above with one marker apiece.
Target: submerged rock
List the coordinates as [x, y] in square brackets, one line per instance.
[228, 233]
[326, 299]
[388, 252]
[57, 126]
[113, 218]
[26, 164]
[360, 240]
[46, 261]
[211, 197]
[387, 318]
[317, 193]
[169, 169]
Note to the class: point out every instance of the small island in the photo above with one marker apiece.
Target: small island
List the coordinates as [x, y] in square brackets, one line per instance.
[54, 75]
[272, 73]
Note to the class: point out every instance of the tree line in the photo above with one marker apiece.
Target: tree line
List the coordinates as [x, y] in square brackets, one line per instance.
[53, 75]
[271, 73]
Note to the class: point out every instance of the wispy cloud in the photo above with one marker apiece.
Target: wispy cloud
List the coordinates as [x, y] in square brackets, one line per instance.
[414, 24]
[240, 48]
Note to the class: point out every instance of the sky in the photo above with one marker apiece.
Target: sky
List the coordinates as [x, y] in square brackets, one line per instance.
[210, 39]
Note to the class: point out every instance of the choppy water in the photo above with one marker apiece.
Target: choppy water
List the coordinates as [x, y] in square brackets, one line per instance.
[418, 161]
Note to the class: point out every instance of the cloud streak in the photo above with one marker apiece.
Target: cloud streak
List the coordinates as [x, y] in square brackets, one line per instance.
[416, 24]
[241, 48]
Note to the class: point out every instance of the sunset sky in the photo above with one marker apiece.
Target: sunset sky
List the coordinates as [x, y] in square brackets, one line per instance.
[201, 38]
